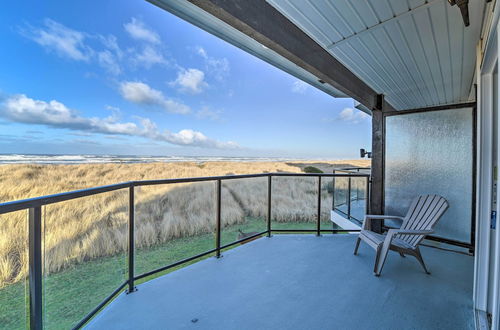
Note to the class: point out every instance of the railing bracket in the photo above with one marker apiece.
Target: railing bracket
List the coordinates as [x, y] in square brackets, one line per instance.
[134, 290]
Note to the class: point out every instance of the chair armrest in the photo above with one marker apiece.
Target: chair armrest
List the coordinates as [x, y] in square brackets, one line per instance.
[393, 232]
[382, 217]
[370, 217]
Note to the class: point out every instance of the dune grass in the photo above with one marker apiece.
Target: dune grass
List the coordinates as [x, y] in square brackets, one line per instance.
[85, 240]
[96, 226]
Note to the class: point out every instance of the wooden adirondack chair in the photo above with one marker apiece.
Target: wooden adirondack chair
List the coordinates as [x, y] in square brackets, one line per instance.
[422, 216]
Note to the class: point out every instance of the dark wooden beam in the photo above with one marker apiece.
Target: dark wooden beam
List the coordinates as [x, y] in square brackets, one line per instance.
[262, 22]
[434, 108]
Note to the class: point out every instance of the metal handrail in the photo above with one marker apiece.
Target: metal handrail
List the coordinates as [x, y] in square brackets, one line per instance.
[35, 230]
[22, 204]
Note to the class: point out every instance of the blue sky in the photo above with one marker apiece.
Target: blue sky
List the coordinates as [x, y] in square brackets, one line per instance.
[125, 77]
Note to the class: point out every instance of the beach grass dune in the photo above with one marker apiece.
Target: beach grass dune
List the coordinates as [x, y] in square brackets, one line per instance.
[96, 226]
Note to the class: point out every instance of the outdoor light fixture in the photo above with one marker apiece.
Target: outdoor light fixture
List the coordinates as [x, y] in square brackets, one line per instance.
[364, 153]
[464, 9]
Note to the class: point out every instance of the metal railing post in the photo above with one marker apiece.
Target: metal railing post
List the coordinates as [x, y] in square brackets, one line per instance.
[269, 182]
[131, 240]
[349, 198]
[218, 221]
[334, 187]
[35, 267]
[318, 225]
[367, 197]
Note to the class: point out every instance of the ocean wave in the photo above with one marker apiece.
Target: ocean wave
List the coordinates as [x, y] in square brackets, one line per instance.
[83, 159]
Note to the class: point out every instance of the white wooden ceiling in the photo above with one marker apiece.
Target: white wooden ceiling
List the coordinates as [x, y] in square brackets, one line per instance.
[416, 52]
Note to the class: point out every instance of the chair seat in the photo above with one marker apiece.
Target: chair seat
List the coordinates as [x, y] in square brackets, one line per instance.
[375, 239]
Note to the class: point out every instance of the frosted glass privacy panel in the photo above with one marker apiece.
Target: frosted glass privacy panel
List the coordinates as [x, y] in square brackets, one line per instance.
[431, 153]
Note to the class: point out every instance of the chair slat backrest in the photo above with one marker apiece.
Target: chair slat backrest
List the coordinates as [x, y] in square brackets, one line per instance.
[423, 214]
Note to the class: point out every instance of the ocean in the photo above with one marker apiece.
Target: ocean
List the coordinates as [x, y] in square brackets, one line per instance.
[85, 159]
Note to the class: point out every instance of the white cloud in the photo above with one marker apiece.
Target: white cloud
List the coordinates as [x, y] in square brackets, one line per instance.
[108, 61]
[202, 52]
[207, 113]
[138, 30]
[191, 81]
[141, 93]
[22, 109]
[149, 56]
[190, 137]
[217, 67]
[76, 45]
[111, 43]
[352, 116]
[60, 39]
[299, 87]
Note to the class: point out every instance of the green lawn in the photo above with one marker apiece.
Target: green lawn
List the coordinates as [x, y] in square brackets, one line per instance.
[74, 292]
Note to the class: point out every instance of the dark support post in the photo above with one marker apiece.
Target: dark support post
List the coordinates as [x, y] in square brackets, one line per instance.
[378, 159]
[318, 229]
[269, 181]
[131, 240]
[349, 190]
[218, 224]
[35, 267]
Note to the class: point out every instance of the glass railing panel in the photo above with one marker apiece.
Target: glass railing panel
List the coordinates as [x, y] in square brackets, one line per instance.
[327, 192]
[243, 208]
[84, 255]
[358, 198]
[13, 270]
[340, 190]
[173, 222]
[294, 202]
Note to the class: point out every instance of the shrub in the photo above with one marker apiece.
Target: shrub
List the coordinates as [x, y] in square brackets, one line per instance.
[312, 169]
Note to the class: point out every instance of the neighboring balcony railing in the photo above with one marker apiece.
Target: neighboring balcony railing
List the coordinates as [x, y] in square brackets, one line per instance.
[351, 195]
[35, 215]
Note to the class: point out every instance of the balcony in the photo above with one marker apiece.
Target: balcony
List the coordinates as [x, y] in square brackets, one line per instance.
[271, 278]
[301, 282]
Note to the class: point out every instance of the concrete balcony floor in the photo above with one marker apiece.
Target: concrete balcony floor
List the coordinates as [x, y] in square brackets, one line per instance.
[302, 282]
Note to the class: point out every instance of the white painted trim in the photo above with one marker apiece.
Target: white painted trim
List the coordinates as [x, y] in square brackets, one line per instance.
[484, 75]
[342, 222]
[485, 131]
[481, 319]
[496, 262]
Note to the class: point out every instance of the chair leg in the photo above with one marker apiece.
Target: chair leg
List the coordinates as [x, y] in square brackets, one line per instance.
[377, 260]
[357, 246]
[421, 260]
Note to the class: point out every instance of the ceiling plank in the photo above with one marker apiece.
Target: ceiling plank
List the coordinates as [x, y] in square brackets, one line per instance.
[383, 23]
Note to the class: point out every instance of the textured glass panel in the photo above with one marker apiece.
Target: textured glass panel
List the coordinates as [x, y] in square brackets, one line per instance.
[431, 153]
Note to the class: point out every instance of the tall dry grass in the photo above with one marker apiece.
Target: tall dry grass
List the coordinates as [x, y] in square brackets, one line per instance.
[96, 226]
